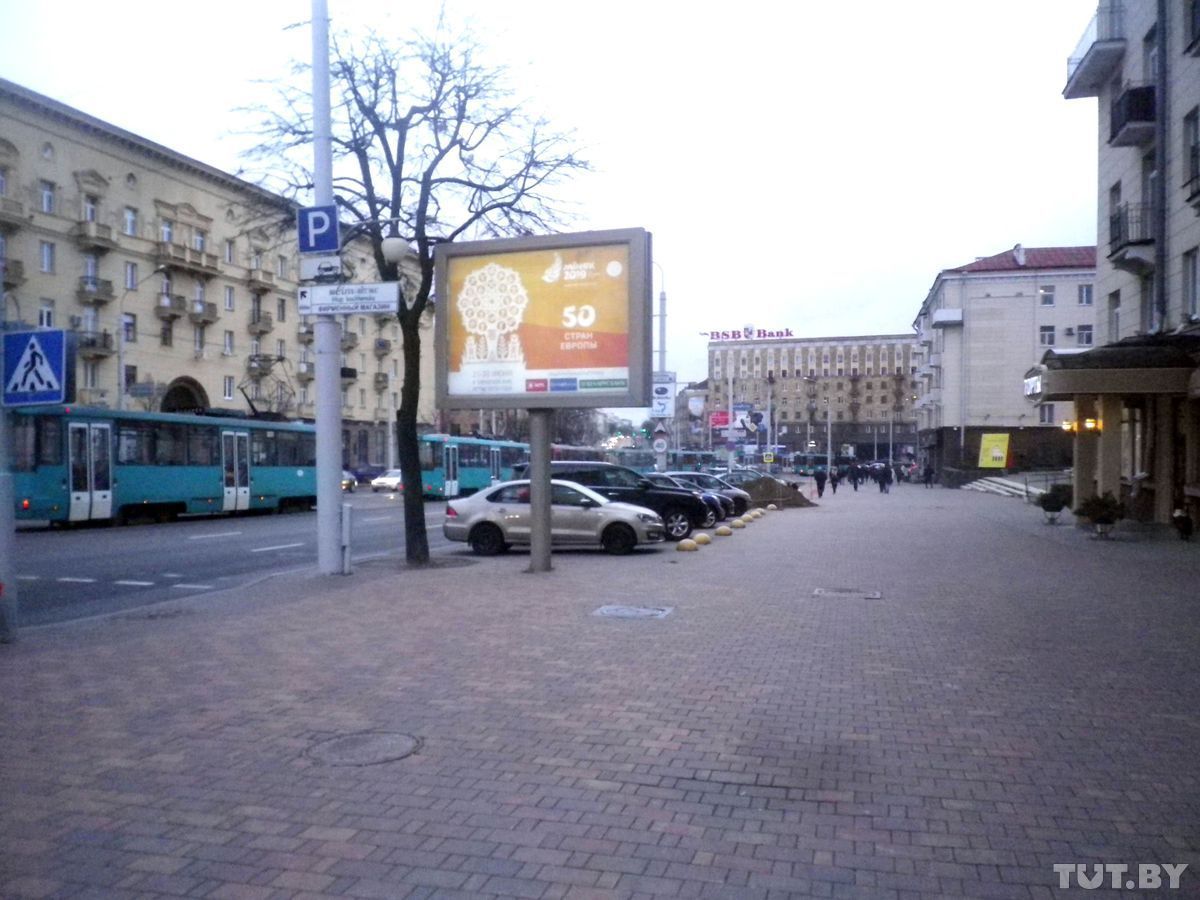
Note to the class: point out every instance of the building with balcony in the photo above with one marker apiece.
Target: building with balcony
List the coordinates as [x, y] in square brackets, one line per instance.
[1139, 386]
[176, 274]
[981, 327]
[848, 396]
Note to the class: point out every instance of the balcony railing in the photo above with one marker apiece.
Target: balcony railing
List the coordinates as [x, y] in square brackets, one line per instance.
[349, 376]
[12, 212]
[188, 259]
[95, 344]
[257, 365]
[94, 236]
[349, 340]
[1133, 115]
[381, 381]
[306, 370]
[304, 333]
[96, 291]
[382, 347]
[1098, 52]
[12, 272]
[170, 306]
[261, 323]
[1131, 223]
[202, 313]
[260, 280]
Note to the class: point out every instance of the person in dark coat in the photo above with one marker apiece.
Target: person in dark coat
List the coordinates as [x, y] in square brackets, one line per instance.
[819, 478]
[834, 477]
[928, 474]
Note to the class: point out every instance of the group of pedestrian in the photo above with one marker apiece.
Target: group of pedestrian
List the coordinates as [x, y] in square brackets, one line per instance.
[857, 474]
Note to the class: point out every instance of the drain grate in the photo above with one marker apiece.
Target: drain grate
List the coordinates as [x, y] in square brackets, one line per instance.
[635, 612]
[367, 748]
[847, 593]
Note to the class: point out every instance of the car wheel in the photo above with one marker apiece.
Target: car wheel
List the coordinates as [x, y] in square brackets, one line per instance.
[618, 539]
[740, 505]
[677, 523]
[710, 518]
[487, 540]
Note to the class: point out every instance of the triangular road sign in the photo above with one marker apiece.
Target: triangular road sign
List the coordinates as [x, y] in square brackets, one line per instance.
[33, 372]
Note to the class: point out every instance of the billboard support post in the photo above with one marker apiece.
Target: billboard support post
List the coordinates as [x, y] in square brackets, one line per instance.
[539, 489]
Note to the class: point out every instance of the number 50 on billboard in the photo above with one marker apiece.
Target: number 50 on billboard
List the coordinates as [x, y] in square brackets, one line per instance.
[559, 321]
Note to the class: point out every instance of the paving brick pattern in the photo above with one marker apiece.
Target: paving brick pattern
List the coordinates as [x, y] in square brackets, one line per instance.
[1019, 696]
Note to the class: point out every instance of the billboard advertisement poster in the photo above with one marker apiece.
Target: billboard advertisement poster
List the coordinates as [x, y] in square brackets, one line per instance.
[993, 451]
[719, 418]
[544, 322]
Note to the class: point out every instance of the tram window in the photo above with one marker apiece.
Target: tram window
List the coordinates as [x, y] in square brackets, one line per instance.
[49, 445]
[431, 455]
[202, 445]
[170, 444]
[510, 456]
[262, 448]
[308, 450]
[24, 444]
[135, 443]
[288, 448]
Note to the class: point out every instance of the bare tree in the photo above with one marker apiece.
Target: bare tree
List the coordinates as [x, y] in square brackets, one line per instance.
[429, 146]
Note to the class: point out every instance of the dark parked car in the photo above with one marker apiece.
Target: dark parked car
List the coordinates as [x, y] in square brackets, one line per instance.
[719, 508]
[706, 482]
[681, 509]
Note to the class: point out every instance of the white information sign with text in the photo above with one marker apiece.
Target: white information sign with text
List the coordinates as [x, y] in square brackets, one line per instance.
[339, 299]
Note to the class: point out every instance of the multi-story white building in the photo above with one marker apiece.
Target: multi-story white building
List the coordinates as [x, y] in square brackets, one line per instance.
[834, 392]
[179, 280]
[982, 326]
[1138, 395]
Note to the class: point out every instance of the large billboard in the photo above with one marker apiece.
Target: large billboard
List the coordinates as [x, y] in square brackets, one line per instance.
[559, 321]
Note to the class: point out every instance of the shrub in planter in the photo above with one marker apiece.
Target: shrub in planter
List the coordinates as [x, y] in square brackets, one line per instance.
[1106, 510]
[1056, 499]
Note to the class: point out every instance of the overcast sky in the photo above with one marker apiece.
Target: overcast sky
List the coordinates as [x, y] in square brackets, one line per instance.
[803, 166]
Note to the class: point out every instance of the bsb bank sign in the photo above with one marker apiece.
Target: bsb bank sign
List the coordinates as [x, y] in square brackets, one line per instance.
[749, 333]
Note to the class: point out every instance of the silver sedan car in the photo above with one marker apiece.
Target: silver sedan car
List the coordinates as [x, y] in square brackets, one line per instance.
[498, 517]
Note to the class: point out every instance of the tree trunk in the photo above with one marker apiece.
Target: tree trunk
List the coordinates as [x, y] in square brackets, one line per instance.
[416, 541]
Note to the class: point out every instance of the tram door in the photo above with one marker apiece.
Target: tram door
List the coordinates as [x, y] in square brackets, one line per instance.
[235, 466]
[450, 467]
[89, 464]
[494, 463]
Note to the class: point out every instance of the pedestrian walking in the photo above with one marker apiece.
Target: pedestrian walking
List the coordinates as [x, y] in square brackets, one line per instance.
[834, 477]
[928, 474]
[819, 478]
[885, 480]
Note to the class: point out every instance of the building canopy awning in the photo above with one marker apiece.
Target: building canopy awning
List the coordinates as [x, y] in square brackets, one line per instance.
[1145, 364]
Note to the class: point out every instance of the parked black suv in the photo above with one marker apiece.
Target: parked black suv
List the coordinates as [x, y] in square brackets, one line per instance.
[681, 509]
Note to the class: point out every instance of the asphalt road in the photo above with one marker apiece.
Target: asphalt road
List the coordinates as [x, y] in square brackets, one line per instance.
[65, 574]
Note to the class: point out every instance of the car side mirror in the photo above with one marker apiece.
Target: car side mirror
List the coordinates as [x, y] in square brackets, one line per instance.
[588, 503]
[645, 484]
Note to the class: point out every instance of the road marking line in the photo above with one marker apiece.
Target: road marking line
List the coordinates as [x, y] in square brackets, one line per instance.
[29, 578]
[193, 587]
[78, 580]
[135, 583]
[219, 534]
[279, 547]
[379, 519]
[171, 575]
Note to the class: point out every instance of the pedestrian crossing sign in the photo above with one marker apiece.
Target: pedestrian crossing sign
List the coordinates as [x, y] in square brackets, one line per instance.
[37, 368]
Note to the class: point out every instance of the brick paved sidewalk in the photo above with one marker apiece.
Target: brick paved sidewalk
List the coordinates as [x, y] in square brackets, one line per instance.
[1018, 696]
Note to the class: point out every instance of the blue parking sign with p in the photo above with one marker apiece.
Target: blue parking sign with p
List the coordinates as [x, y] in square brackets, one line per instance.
[317, 229]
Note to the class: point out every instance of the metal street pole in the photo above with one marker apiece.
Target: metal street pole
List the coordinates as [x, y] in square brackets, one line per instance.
[828, 439]
[326, 333]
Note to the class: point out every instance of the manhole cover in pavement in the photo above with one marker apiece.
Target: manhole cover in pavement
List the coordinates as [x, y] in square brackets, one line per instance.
[858, 593]
[367, 748]
[635, 612]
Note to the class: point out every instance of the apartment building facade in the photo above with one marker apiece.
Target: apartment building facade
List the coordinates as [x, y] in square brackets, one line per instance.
[178, 280]
[1139, 390]
[982, 326]
[850, 395]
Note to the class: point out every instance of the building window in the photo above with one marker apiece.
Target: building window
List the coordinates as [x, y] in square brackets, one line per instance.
[91, 267]
[167, 231]
[228, 297]
[46, 195]
[198, 338]
[46, 314]
[131, 276]
[281, 348]
[227, 387]
[1046, 414]
[199, 292]
[1114, 316]
[1085, 295]
[131, 221]
[256, 259]
[228, 345]
[1083, 335]
[129, 327]
[229, 251]
[1191, 283]
[281, 310]
[166, 335]
[281, 266]
[130, 376]
[91, 205]
[90, 374]
[47, 256]
[1191, 144]
[1046, 335]
[1046, 295]
[3, 182]
[199, 240]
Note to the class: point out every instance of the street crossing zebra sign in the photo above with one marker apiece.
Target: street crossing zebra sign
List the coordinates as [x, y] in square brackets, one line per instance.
[38, 368]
